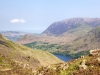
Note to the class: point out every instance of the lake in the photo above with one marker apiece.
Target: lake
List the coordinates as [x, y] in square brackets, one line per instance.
[62, 57]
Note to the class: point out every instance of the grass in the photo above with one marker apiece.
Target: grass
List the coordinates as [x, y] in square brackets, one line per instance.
[81, 29]
[14, 53]
[87, 42]
[21, 54]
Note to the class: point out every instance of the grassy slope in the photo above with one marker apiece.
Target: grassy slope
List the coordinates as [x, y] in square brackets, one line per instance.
[26, 55]
[10, 67]
[80, 29]
[87, 42]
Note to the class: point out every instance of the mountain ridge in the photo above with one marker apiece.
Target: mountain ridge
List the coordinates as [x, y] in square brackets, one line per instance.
[58, 28]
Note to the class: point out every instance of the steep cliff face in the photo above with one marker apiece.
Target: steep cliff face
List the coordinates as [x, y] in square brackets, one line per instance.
[61, 27]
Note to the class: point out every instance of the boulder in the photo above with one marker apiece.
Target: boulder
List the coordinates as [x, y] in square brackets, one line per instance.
[82, 65]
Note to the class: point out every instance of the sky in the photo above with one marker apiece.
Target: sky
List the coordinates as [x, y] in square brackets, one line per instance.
[35, 16]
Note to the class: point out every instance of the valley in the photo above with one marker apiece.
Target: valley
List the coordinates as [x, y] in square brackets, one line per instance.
[35, 54]
[66, 37]
[49, 37]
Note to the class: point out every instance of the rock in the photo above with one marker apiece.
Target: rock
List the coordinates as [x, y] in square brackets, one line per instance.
[95, 52]
[54, 68]
[98, 59]
[92, 66]
[65, 67]
[40, 74]
[82, 57]
[83, 62]
[83, 66]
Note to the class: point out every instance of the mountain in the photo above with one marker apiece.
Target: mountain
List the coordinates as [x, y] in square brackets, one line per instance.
[63, 32]
[13, 35]
[80, 25]
[16, 59]
[89, 41]
[60, 37]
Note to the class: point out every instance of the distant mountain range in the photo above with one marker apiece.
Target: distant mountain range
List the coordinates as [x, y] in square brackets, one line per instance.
[13, 35]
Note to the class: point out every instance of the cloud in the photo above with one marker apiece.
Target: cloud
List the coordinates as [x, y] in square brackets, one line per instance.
[18, 21]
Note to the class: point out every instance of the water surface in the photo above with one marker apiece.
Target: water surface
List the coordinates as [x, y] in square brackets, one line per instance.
[62, 57]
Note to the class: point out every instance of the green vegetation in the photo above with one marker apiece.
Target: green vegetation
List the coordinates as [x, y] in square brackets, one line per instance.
[84, 43]
[80, 29]
[53, 48]
[79, 54]
[14, 57]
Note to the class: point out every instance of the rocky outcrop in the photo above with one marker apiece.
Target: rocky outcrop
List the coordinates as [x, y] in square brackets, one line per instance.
[51, 69]
[95, 52]
[83, 66]
[98, 60]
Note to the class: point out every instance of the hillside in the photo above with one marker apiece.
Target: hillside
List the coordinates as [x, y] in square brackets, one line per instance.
[89, 41]
[45, 38]
[22, 57]
[19, 60]
[84, 65]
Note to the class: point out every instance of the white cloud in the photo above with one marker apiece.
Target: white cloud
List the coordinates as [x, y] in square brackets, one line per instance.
[18, 21]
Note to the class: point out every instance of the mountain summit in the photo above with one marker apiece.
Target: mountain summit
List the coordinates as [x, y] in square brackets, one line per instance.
[67, 25]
